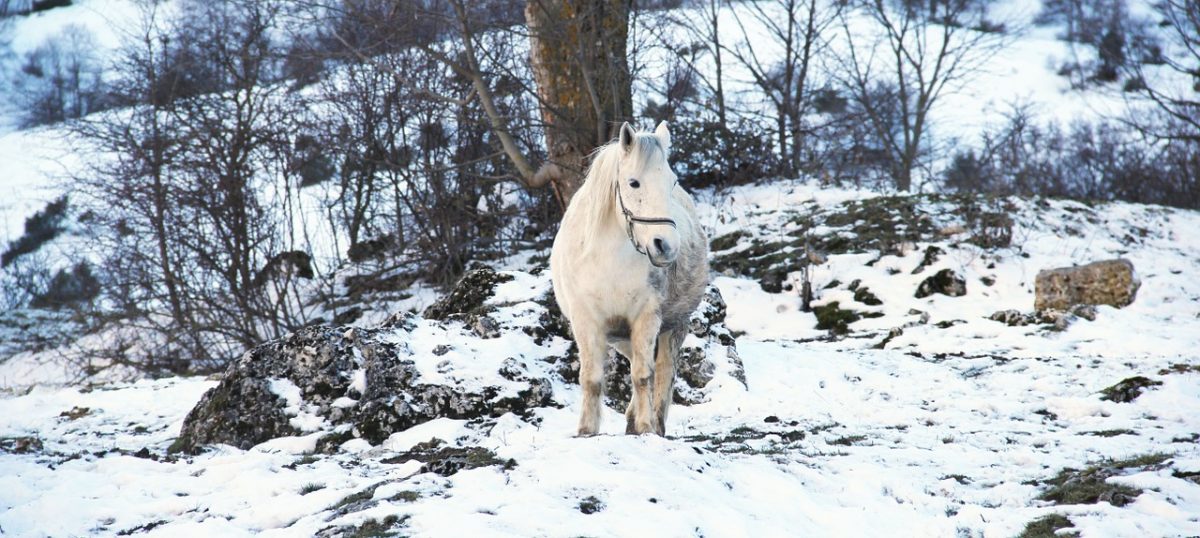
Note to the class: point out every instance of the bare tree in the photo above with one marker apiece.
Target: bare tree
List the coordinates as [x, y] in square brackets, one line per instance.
[578, 52]
[898, 71]
[1180, 57]
[798, 27]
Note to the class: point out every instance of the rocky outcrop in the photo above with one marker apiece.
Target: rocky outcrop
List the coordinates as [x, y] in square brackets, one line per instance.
[347, 383]
[1109, 282]
[482, 356]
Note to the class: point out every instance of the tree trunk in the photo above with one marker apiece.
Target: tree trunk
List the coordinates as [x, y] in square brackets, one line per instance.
[579, 61]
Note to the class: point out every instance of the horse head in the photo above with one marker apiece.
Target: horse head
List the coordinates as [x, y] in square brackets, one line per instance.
[643, 188]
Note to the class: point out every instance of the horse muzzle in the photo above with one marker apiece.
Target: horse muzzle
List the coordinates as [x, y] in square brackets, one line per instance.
[661, 252]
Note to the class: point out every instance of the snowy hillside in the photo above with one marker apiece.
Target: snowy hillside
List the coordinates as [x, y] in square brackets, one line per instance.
[922, 395]
[957, 426]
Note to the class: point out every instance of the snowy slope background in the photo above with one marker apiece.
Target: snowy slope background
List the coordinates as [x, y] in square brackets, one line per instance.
[958, 426]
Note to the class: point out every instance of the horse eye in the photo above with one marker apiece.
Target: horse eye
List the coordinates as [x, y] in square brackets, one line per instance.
[634, 183]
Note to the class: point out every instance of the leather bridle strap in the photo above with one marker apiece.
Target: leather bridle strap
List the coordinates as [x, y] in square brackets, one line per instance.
[631, 219]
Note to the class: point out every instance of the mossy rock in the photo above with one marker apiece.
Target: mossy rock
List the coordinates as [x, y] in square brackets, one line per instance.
[835, 319]
[1128, 389]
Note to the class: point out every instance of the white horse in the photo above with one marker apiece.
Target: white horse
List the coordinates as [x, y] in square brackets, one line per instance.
[629, 265]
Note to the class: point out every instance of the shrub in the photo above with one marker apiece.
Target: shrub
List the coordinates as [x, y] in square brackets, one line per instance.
[42, 227]
[68, 288]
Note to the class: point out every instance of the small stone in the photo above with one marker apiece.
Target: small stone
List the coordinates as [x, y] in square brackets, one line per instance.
[771, 419]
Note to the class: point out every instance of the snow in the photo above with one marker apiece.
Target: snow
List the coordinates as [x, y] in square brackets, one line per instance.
[943, 432]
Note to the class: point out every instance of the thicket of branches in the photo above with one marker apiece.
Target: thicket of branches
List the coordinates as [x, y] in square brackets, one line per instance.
[248, 147]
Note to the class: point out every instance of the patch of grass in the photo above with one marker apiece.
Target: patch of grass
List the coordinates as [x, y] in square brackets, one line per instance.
[1112, 433]
[590, 505]
[1180, 368]
[373, 528]
[446, 461]
[727, 241]
[75, 413]
[145, 527]
[1046, 526]
[848, 440]
[405, 496]
[835, 319]
[311, 487]
[356, 498]
[864, 296]
[1128, 389]
[1091, 485]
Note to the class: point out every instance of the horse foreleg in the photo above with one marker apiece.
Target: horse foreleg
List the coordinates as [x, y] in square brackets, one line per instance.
[592, 351]
[664, 375]
[644, 339]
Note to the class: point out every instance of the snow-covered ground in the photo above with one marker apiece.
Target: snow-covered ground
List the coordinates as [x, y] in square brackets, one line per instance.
[947, 431]
[951, 428]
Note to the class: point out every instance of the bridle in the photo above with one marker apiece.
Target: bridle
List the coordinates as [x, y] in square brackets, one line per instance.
[631, 219]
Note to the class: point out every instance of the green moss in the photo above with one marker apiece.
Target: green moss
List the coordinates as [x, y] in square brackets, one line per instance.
[832, 317]
[590, 505]
[727, 241]
[1128, 389]
[864, 296]
[848, 440]
[373, 528]
[1112, 433]
[1046, 526]
[1092, 485]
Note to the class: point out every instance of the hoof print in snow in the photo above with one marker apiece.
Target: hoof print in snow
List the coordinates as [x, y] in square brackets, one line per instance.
[1128, 389]
[1108, 282]
[945, 282]
[590, 505]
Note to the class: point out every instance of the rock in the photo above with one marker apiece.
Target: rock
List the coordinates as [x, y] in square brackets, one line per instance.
[364, 382]
[1059, 319]
[468, 296]
[945, 282]
[1109, 282]
[932, 253]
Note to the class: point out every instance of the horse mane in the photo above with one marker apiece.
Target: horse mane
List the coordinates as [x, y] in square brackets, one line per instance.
[597, 196]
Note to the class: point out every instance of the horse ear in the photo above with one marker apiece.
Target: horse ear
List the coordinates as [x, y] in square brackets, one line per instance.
[627, 135]
[664, 136]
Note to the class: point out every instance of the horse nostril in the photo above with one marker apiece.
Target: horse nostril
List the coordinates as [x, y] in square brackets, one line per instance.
[661, 246]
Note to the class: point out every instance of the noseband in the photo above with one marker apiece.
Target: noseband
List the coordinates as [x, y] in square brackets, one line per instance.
[631, 219]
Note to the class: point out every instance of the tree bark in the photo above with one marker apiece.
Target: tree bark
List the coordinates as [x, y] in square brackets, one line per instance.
[578, 54]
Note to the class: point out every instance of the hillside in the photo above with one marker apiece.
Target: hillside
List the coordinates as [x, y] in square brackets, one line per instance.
[958, 425]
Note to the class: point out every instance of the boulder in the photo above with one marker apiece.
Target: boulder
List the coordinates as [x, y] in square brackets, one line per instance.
[346, 383]
[945, 282]
[1108, 282]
